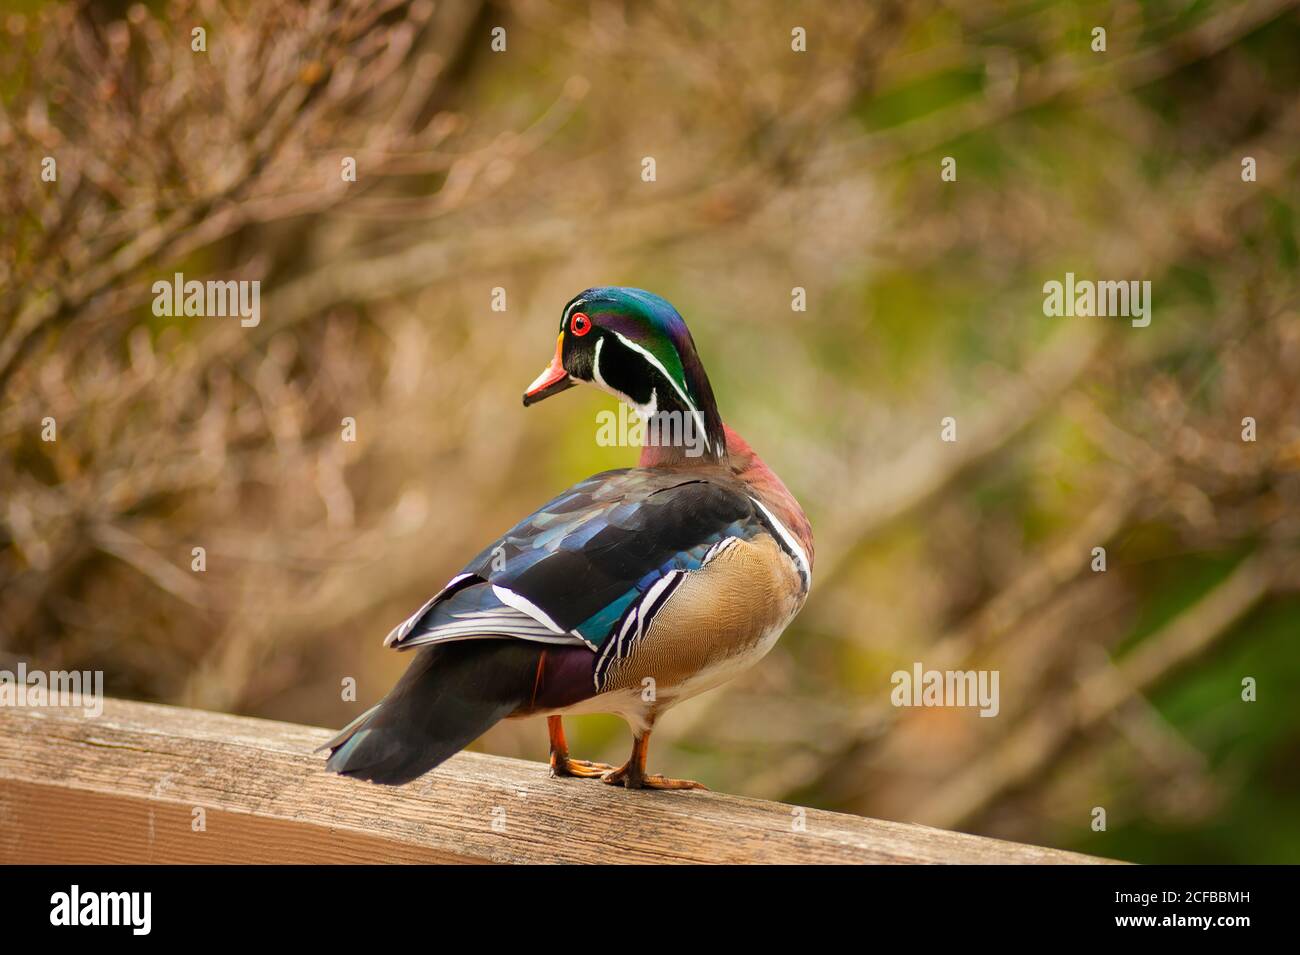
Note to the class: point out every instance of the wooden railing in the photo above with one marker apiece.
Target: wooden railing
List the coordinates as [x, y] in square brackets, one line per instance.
[146, 783]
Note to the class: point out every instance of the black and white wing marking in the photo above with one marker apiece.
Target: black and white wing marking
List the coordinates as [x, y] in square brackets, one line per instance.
[573, 571]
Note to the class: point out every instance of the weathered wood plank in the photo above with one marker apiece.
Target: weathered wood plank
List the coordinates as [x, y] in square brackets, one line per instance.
[125, 787]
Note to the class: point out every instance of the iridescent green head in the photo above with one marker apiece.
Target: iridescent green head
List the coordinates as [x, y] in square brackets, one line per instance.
[634, 345]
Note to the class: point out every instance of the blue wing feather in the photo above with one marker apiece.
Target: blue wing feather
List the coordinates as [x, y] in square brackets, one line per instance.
[583, 559]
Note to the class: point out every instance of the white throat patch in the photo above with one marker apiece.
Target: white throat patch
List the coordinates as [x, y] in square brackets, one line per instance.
[650, 409]
[645, 411]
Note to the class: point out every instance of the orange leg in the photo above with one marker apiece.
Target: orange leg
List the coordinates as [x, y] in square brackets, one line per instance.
[562, 764]
[632, 774]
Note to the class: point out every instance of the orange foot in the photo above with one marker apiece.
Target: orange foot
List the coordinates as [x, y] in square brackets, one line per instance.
[578, 768]
[632, 778]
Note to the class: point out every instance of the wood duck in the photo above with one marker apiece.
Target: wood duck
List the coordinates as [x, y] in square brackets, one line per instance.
[626, 594]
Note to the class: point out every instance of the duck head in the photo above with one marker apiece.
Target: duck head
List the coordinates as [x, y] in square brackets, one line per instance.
[635, 346]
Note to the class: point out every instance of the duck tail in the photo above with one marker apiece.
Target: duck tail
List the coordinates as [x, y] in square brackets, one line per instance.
[449, 696]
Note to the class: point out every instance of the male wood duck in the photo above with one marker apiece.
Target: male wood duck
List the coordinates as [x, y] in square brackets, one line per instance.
[626, 594]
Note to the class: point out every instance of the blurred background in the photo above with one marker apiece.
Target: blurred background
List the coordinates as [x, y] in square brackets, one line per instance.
[775, 169]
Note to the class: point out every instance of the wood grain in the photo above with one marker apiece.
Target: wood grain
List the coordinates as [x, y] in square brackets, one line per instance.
[125, 787]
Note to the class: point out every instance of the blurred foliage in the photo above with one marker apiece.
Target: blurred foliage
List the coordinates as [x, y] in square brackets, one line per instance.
[776, 169]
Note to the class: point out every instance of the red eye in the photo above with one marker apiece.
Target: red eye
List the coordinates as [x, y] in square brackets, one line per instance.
[580, 324]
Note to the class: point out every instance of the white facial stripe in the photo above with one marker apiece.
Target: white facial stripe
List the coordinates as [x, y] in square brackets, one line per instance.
[568, 312]
[655, 363]
[800, 555]
[646, 411]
